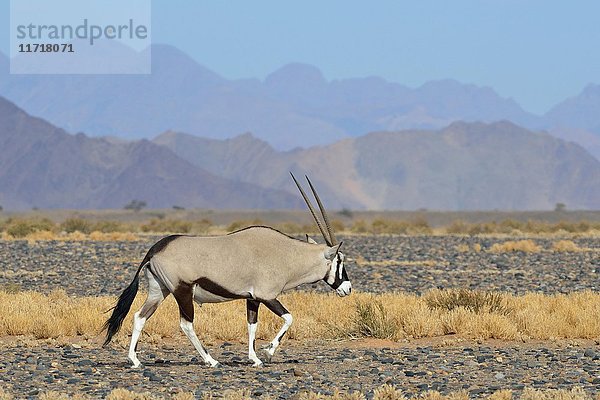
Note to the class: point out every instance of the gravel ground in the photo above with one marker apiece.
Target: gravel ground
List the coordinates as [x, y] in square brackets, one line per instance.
[412, 264]
[479, 369]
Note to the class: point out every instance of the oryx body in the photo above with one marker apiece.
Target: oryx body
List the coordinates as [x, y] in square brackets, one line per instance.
[256, 263]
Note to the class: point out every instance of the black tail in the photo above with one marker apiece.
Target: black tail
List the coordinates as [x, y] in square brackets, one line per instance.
[121, 309]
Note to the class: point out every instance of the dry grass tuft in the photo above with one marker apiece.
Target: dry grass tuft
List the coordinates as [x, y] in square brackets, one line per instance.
[501, 395]
[478, 315]
[4, 395]
[565, 246]
[40, 236]
[417, 226]
[372, 320]
[124, 394]
[388, 392]
[385, 392]
[463, 248]
[54, 395]
[98, 236]
[167, 226]
[526, 246]
[516, 227]
[472, 300]
[553, 394]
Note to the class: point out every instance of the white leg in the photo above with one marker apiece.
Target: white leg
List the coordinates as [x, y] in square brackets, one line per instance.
[251, 341]
[271, 347]
[188, 328]
[156, 294]
[138, 325]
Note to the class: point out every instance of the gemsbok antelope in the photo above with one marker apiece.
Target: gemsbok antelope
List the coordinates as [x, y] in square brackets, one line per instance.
[256, 264]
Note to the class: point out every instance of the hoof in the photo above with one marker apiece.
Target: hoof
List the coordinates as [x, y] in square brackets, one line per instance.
[137, 366]
[265, 355]
[136, 363]
[214, 364]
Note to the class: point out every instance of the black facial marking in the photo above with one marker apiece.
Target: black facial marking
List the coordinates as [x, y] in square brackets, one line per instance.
[338, 281]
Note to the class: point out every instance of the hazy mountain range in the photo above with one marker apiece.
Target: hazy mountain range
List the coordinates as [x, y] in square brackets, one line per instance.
[43, 166]
[294, 106]
[463, 166]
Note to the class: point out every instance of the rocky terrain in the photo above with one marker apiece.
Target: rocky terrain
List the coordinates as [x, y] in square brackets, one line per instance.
[478, 369]
[378, 264]
[412, 264]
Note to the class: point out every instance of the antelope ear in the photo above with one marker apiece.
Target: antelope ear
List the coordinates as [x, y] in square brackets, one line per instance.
[310, 240]
[332, 251]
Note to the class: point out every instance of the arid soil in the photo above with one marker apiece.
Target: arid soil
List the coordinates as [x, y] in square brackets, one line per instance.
[412, 264]
[477, 368]
[381, 263]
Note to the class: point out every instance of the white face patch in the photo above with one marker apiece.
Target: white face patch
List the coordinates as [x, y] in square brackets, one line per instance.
[336, 276]
[344, 289]
[331, 274]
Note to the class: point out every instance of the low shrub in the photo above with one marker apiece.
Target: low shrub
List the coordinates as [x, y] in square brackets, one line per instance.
[565, 246]
[526, 246]
[241, 224]
[201, 227]
[360, 226]
[111, 226]
[373, 321]
[418, 226]
[77, 224]
[473, 300]
[167, 226]
[20, 228]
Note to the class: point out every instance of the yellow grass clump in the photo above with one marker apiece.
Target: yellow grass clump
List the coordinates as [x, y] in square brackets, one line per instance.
[526, 246]
[472, 314]
[40, 236]
[465, 248]
[565, 246]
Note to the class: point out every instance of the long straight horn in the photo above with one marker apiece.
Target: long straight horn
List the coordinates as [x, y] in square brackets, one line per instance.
[312, 210]
[323, 213]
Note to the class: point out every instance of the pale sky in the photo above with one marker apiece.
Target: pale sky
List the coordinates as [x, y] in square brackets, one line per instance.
[537, 52]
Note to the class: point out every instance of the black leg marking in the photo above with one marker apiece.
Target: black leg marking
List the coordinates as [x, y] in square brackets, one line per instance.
[184, 295]
[252, 311]
[216, 289]
[276, 307]
[281, 336]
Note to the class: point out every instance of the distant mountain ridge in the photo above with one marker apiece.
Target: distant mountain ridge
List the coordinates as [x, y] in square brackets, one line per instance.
[43, 166]
[295, 106]
[465, 166]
